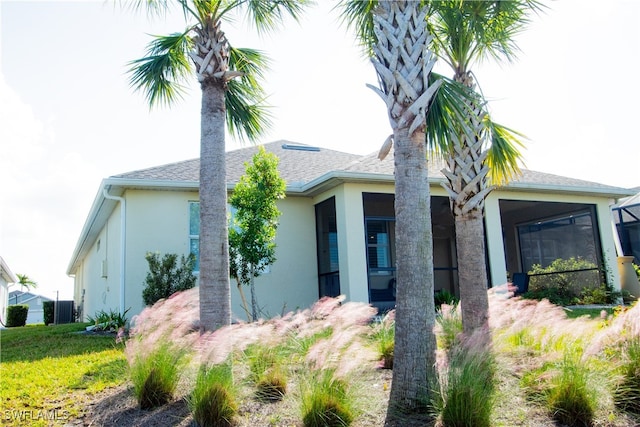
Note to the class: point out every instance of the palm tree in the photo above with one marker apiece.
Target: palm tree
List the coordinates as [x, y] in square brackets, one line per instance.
[403, 64]
[25, 281]
[466, 32]
[231, 94]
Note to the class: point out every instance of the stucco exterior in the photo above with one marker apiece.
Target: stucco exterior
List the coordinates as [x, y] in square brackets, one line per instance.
[148, 210]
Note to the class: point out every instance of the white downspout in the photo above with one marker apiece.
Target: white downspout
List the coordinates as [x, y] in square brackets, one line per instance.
[123, 233]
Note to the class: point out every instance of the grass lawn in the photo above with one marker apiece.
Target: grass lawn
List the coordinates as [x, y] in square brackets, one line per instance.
[44, 370]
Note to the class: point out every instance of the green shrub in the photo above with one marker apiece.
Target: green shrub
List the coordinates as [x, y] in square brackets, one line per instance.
[267, 371]
[165, 278]
[565, 286]
[467, 389]
[155, 375]
[326, 401]
[213, 400]
[445, 297]
[627, 392]
[17, 315]
[49, 310]
[109, 321]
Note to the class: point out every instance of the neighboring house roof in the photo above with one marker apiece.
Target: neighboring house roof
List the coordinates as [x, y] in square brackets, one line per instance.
[307, 171]
[19, 297]
[6, 273]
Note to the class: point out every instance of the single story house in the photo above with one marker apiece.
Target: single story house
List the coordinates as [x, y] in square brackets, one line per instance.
[34, 301]
[7, 278]
[336, 233]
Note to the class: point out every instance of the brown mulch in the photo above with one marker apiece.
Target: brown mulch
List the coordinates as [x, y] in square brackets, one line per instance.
[117, 407]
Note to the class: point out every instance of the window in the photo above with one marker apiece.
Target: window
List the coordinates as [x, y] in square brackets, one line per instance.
[542, 242]
[194, 232]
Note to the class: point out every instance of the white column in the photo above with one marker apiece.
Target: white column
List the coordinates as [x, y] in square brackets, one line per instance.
[495, 241]
[351, 243]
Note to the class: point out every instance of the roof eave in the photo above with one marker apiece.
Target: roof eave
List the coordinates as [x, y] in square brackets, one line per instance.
[614, 193]
[102, 207]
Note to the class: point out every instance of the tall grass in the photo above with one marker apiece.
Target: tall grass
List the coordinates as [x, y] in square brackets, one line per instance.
[326, 401]
[627, 389]
[155, 375]
[268, 371]
[383, 336]
[213, 402]
[570, 398]
[467, 385]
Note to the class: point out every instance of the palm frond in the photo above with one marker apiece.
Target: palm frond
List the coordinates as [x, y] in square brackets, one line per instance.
[247, 115]
[358, 16]
[448, 108]
[504, 152]
[152, 7]
[162, 70]
[268, 15]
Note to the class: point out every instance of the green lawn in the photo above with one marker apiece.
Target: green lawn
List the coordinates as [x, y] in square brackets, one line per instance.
[46, 369]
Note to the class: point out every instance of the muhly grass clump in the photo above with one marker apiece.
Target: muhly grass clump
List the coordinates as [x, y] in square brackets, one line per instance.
[467, 384]
[214, 399]
[448, 325]
[326, 400]
[330, 335]
[268, 372]
[383, 335]
[621, 341]
[155, 375]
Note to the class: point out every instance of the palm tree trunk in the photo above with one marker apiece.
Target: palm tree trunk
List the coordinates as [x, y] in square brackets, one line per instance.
[414, 358]
[472, 274]
[215, 299]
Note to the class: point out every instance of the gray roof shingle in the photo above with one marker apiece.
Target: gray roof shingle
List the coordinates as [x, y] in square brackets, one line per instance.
[300, 164]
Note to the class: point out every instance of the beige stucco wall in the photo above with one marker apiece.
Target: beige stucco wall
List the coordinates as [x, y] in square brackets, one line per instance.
[98, 275]
[292, 281]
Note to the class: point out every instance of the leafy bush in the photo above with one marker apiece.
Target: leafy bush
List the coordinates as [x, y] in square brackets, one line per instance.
[165, 278]
[17, 315]
[267, 371]
[445, 297]
[326, 401]
[155, 375]
[627, 392]
[560, 283]
[49, 310]
[108, 321]
[467, 388]
[214, 397]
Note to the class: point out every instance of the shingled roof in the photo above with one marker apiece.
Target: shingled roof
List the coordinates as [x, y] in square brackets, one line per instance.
[303, 164]
[298, 165]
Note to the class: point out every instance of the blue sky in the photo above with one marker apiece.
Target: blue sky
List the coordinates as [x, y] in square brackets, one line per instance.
[69, 118]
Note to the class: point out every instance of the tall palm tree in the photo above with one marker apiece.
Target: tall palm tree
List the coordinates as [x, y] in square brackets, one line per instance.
[403, 65]
[25, 282]
[481, 153]
[231, 94]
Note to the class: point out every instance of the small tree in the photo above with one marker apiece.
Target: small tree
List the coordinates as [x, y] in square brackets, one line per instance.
[165, 278]
[253, 228]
